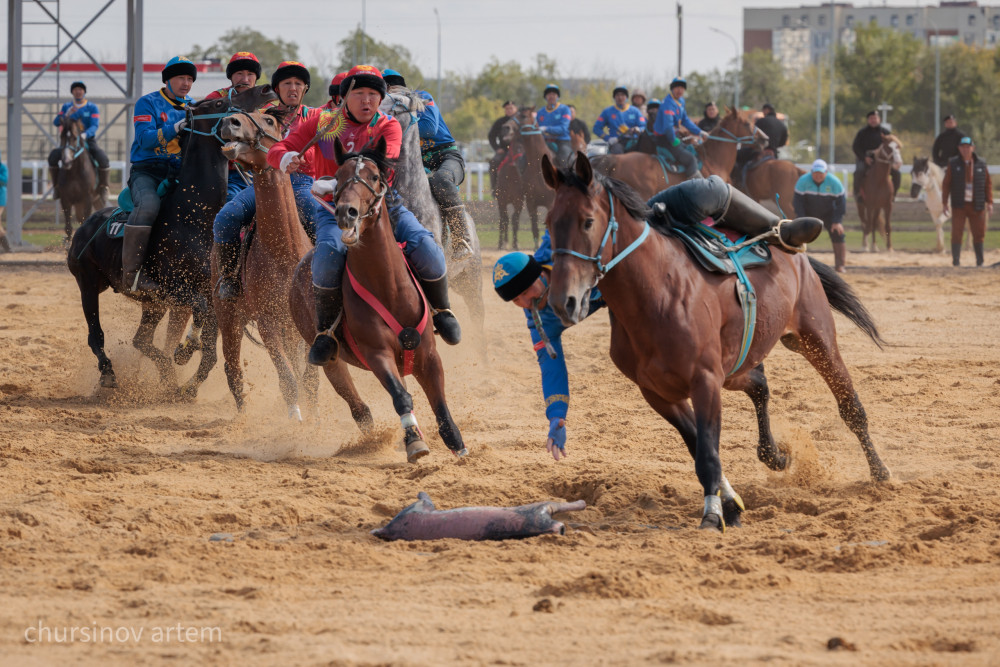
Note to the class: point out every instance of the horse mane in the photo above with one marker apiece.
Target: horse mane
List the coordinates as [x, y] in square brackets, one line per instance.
[629, 198]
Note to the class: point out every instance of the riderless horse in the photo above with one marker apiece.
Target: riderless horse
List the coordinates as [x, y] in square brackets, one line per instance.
[676, 330]
[78, 197]
[877, 193]
[929, 177]
[179, 247]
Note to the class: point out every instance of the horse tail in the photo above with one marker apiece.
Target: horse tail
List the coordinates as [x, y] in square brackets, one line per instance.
[843, 300]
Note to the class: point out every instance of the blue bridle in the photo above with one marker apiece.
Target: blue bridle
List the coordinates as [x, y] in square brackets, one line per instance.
[612, 232]
[191, 117]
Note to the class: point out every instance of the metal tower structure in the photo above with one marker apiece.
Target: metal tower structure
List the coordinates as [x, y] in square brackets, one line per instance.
[41, 15]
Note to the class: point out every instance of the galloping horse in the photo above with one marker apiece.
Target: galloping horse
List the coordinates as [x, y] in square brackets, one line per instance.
[385, 312]
[465, 276]
[510, 194]
[530, 142]
[78, 197]
[179, 248]
[278, 244]
[676, 330]
[644, 174]
[928, 176]
[877, 193]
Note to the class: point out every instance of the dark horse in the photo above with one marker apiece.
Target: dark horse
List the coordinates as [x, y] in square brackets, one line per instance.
[877, 194]
[509, 192]
[178, 256]
[77, 178]
[375, 264]
[676, 330]
[529, 140]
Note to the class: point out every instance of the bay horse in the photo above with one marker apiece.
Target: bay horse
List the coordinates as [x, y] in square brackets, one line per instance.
[510, 195]
[178, 256]
[644, 174]
[773, 181]
[676, 330]
[465, 274]
[530, 142]
[78, 196]
[877, 194]
[378, 279]
[929, 177]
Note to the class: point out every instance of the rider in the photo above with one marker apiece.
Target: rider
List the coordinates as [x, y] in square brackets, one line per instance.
[87, 113]
[869, 138]
[639, 101]
[672, 115]
[360, 125]
[652, 108]
[242, 71]
[291, 82]
[499, 150]
[771, 125]
[619, 122]
[334, 91]
[553, 121]
[159, 118]
[444, 164]
[710, 119]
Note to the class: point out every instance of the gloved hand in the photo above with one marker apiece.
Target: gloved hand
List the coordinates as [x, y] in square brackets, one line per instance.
[180, 125]
[83, 135]
[544, 129]
[677, 141]
[704, 136]
[612, 141]
[286, 159]
[556, 442]
[323, 187]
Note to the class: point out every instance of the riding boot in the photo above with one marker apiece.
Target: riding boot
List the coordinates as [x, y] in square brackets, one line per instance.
[747, 216]
[978, 248]
[54, 177]
[329, 308]
[4, 243]
[229, 279]
[956, 253]
[840, 257]
[134, 247]
[445, 322]
[461, 240]
[102, 183]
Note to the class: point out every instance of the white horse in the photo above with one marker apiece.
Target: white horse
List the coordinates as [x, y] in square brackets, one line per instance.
[465, 275]
[928, 177]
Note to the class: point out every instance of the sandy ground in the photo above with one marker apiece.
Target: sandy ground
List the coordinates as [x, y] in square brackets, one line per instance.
[108, 500]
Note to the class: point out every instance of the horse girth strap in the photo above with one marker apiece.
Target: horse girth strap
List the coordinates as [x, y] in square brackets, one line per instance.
[612, 232]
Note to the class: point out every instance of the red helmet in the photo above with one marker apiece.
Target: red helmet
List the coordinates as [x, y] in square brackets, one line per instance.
[335, 84]
[363, 76]
[288, 69]
[243, 60]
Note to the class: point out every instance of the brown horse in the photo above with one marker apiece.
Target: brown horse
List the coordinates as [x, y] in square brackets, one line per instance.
[508, 187]
[376, 266]
[773, 181]
[78, 197]
[877, 193]
[644, 174]
[676, 330]
[529, 140]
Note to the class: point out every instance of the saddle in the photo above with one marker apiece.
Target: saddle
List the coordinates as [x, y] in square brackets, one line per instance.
[645, 143]
[760, 158]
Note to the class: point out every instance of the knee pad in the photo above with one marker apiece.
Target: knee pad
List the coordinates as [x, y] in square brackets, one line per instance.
[328, 264]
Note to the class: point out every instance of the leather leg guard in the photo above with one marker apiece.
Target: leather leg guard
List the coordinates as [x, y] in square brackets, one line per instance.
[102, 183]
[54, 177]
[956, 253]
[978, 248]
[134, 247]
[461, 240]
[329, 308]
[840, 257]
[445, 323]
[751, 218]
[229, 279]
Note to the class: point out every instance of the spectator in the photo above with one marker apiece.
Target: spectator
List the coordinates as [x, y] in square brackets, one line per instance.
[820, 194]
[499, 149]
[710, 119]
[946, 144]
[771, 125]
[968, 186]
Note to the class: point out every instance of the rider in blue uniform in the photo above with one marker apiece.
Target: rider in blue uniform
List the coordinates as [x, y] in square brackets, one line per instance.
[619, 122]
[553, 121]
[88, 114]
[672, 115]
[159, 118]
[444, 164]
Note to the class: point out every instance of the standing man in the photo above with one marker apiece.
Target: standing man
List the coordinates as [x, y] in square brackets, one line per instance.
[444, 164]
[710, 119]
[771, 125]
[968, 186]
[159, 118]
[553, 121]
[671, 116]
[499, 149]
[820, 194]
[88, 114]
[242, 71]
[869, 138]
[619, 122]
[946, 143]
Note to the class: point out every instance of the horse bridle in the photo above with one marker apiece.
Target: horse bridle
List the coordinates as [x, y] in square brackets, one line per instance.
[398, 104]
[612, 232]
[373, 208]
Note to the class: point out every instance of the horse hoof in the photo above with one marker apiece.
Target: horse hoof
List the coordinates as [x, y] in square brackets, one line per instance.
[461, 453]
[731, 512]
[712, 521]
[183, 354]
[881, 474]
[109, 382]
[188, 392]
[416, 450]
[294, 413]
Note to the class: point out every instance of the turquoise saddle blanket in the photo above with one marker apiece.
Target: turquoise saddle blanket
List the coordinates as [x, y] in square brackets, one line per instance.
[712, 249]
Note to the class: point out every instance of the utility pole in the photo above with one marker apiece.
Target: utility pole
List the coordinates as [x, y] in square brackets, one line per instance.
[364, 47]
[680, 34]
[438, 19]
[833, 82]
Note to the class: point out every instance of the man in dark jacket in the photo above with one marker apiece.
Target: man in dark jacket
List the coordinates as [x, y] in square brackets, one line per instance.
[946, 144]
[969, 189]
[771, 125]
[499, 149]
[869, 138]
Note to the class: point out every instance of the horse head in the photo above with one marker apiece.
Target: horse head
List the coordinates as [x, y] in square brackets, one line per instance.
[510, 130]
[250, 135]
[71, 141]
[919, 175]
[361, 189]
[525, 117]
[401, 103]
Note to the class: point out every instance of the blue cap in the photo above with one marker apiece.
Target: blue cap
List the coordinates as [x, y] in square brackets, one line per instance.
[393, 78]
[551, 88]
[653, 103]
[678, 81]
[965, 141]
[513, 273]
[178, 66]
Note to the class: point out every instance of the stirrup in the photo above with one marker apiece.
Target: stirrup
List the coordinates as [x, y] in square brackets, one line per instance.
[777, 231]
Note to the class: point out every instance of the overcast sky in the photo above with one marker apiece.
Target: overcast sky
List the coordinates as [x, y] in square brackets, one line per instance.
[586, 37]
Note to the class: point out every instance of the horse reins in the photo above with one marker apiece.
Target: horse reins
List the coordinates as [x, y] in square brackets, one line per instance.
[612, 232]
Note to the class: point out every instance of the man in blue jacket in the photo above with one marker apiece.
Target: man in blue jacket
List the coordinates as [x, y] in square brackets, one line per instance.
[619, 122]
[159, 118]
[672, 115]
[820, 194]
[88, 114]
[553, 121]
[444, 164]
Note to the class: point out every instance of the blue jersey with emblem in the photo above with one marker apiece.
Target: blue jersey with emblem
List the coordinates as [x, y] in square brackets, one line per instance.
[555, 378]
[672, 114]
[87, 114]
[554, 123]
[433, 131]
[826, 201]
[614, 122]
[155, 139]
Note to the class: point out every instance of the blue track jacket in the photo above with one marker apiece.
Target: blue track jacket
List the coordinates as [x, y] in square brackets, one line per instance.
[672, 114]
[554, 123]
[826, 201]
[433, 131]
[155, 139]
[86, 114]
[614, 122]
